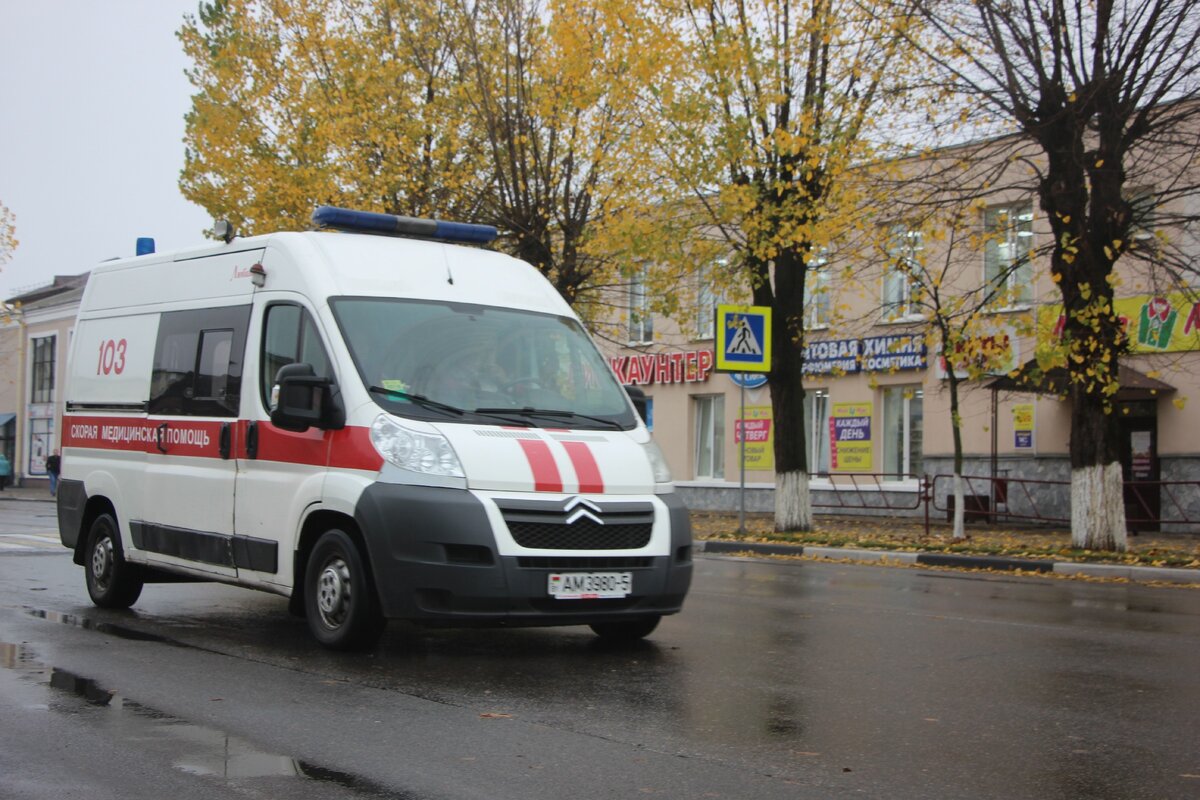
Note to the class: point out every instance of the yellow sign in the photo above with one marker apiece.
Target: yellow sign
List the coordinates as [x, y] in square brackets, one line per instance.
[743, 339]
[1155, 323]
[850, 437]
[757, 430]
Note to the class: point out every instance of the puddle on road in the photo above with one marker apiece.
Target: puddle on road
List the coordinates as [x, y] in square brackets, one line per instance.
[191, 748]
[101, 627]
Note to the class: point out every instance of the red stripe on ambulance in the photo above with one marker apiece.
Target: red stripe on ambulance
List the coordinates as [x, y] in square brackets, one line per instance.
[586, 468]
[546, 477]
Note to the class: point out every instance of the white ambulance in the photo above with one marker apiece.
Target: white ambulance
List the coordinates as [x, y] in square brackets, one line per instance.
[372, 420]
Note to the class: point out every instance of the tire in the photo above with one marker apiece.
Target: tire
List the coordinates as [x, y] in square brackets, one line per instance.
[339, 597]
[627, 630]
[112, 582]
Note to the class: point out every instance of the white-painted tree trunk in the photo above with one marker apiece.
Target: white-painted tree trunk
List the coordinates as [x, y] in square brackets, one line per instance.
[1098, 508]
[959, 511]
[793, 504]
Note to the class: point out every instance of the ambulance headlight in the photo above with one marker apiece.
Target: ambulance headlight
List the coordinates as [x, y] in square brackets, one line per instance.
[658, 462]
[417, 451]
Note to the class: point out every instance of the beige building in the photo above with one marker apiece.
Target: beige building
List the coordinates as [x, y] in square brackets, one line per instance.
[34, 342]
[878, 416]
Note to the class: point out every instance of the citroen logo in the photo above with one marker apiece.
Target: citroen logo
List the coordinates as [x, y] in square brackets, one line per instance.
[577, 508]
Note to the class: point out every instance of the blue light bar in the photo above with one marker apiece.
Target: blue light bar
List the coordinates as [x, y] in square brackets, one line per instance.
[145, 246]
[345, 219]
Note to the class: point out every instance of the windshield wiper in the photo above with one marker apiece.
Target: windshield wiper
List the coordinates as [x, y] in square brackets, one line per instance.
[418, 399]
[528, 411]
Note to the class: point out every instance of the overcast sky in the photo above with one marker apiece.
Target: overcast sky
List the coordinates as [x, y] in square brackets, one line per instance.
[92, 98]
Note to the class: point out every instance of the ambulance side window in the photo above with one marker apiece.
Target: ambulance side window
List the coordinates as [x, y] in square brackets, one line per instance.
[198, 362]
[289, 336]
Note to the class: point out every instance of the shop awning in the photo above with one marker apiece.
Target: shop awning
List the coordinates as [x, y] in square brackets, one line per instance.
[6, 418]
[1133, 385]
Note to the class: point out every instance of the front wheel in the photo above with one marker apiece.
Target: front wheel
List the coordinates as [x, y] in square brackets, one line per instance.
[111, 581]
[339, 601]
[626, 630]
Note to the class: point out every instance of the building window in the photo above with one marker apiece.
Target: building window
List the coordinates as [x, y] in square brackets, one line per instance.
[1144, 204]
[42, 388]
[816, 296]
[641, 323]
[41, 440]
[816, 430]
[710, 436]
[903, 429]
[706, 301]
[905, 250]
[1008, 232]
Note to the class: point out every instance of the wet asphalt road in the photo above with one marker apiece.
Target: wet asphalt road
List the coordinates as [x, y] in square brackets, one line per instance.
[797, 680]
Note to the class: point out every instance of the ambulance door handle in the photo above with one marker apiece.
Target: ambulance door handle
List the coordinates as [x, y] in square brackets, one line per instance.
[226, 440]
[160, 433]
[252, 439]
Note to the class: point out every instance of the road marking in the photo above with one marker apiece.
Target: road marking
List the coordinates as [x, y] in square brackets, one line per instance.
[29, 542]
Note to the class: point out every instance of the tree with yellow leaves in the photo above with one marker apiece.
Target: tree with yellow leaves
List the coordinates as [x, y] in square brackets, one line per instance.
[8, 234]
[764, 114]
[1105, 100]
[510, 112]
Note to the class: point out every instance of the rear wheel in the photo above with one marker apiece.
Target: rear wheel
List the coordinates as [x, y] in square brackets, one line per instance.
[111, 581]
[339, 600]
[626, 630]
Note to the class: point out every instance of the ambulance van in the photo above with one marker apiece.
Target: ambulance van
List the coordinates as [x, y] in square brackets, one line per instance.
[374, 419]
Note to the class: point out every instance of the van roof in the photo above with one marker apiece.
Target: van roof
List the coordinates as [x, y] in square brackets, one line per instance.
[323, 264]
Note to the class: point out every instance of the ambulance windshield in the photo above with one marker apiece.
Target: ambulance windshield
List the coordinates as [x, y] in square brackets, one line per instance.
[469, 363]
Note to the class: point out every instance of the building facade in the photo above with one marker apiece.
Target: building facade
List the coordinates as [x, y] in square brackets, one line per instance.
[877, 413]
[34, 344]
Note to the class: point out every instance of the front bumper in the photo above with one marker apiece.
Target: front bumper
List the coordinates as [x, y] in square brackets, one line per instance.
[434, 559]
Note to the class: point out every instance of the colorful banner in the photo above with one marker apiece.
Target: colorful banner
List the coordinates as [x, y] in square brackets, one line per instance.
[760, 438]
[850, 437]
[1023, 426]
[1155, 323]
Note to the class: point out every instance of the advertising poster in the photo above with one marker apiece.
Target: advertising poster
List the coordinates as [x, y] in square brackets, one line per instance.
[850, 437]
[1023, 426]
[760, 438]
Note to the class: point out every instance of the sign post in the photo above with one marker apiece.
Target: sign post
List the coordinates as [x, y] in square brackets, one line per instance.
[744, 345]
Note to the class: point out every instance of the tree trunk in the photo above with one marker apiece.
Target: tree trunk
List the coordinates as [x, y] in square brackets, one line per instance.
[1097, 483]
[959, 511]
[793, 506]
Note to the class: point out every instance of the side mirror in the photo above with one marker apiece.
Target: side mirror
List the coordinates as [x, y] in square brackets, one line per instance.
[302, 400]
[638, 396]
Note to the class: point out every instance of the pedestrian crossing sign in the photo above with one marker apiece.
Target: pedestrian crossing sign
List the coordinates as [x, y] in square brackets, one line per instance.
[744, 339]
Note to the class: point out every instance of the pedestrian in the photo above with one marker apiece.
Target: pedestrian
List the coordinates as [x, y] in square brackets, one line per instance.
[53, 466]
[5, 470]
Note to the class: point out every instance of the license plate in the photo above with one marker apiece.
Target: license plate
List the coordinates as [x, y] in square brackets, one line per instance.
[590, 585]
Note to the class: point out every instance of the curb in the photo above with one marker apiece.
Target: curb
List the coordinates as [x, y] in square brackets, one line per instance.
[1126, 571]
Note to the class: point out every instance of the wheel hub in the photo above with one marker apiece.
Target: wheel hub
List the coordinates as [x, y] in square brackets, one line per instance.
[333, 592]
[102, 557]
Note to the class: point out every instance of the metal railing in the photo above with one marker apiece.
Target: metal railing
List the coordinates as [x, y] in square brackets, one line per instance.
[1149, 505]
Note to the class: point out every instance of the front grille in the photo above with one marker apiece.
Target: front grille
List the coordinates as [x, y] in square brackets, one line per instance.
[584, 562]
[577, 525]
[584, 534]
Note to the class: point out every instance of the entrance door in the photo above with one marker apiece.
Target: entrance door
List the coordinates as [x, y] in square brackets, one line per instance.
[1139, 463]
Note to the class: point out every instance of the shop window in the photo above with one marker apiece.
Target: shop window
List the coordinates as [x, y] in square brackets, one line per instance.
[816, 430]
[42, 370]
[903, 432]
[41, 440]
[710, 436]
[1006, 253]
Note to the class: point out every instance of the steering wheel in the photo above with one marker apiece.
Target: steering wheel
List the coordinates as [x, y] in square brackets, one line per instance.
[528, 381]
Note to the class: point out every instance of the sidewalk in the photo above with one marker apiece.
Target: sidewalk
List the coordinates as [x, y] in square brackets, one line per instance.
[26, 493]
[1151, 557]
